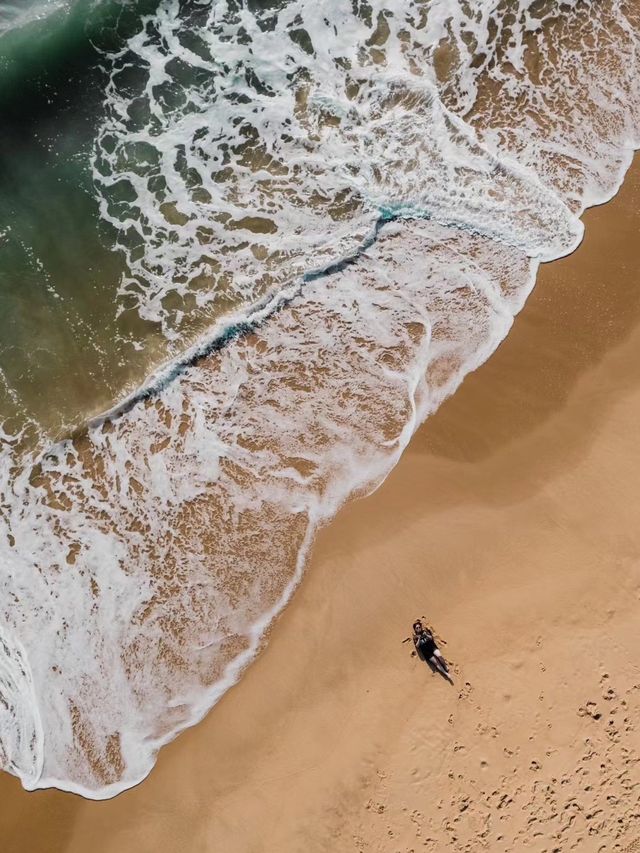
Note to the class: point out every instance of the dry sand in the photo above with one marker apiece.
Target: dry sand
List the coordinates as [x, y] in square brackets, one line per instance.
[512, 523]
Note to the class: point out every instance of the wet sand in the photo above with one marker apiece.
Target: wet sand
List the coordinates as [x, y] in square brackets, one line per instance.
[512, 524]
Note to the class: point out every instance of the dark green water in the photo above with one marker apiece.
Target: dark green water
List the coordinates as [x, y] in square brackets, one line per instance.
[64, 352]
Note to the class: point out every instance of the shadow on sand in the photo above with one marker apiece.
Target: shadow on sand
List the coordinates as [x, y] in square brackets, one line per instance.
[443, 671]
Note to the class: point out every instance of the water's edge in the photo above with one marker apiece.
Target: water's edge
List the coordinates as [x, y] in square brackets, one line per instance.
[215, 340]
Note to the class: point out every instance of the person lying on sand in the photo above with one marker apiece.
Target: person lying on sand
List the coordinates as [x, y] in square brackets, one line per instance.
[426, 646]
[423, 641]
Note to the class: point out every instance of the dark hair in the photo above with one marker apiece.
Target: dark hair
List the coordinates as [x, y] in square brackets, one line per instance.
[417, 623]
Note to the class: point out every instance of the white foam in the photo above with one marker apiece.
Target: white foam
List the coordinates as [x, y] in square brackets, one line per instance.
[21, 736]
[15, 14]
[182, 542]
[141, 563]
[314, 148]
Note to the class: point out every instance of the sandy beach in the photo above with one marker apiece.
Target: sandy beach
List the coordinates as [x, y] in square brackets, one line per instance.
[511, 524]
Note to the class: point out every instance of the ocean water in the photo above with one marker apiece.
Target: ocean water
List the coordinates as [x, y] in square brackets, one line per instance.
[246, 248]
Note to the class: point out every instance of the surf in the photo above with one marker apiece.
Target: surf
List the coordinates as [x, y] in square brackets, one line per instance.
[332, 216]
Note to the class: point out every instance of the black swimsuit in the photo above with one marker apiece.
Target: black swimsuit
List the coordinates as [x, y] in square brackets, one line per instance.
[427, 646]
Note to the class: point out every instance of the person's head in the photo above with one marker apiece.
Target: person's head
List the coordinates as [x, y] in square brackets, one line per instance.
[417, 626]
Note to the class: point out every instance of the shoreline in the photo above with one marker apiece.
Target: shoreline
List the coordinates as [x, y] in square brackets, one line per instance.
[236, 323]
[325, 722]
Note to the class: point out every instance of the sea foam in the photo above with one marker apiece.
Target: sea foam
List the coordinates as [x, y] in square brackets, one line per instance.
[360, 197]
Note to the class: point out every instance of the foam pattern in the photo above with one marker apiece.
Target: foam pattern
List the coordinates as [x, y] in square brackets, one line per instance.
[243, 150]
[368, 192]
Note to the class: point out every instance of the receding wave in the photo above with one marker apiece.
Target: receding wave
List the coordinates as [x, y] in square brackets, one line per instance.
[352, 200]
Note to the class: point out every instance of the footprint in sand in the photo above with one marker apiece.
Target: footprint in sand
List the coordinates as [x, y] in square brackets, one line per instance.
[466, 691]
[589, 710]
